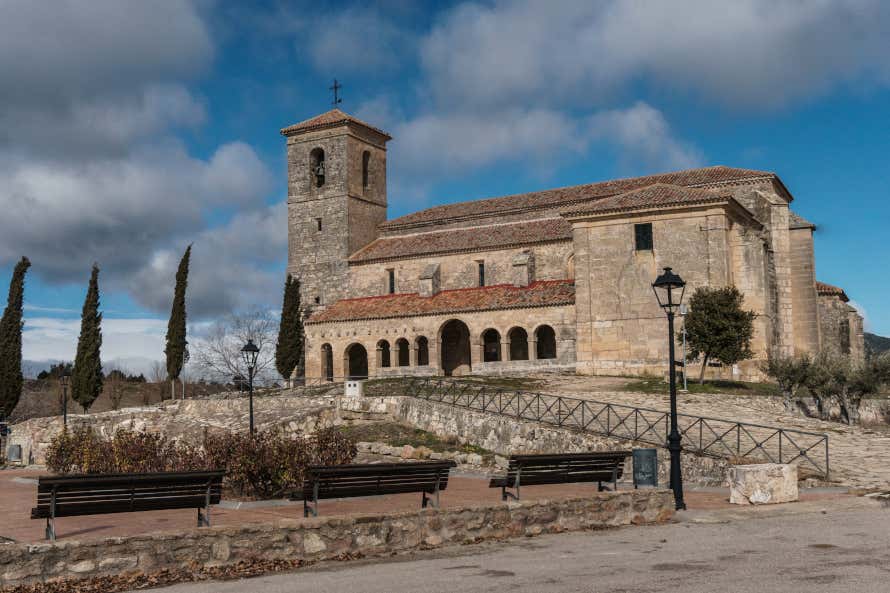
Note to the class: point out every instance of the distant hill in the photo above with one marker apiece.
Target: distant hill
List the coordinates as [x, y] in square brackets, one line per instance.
[876, 344]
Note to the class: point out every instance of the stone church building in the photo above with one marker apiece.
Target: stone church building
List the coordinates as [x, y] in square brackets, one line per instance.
[559, 278]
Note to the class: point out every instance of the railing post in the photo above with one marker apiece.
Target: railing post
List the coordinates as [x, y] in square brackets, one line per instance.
[780, 446]
[825, 437]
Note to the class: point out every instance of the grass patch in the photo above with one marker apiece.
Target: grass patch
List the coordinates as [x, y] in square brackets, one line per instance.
[399, 435]
[659, 386]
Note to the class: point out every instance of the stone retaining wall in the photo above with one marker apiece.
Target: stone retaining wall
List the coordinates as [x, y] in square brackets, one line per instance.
[326, 538]
[505, 436]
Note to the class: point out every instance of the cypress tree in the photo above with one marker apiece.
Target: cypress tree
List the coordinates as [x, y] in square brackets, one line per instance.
[289, 349]
[86, 380]
[175, 349]
[11, 341]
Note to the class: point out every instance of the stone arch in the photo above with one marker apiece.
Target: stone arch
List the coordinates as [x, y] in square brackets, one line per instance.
[403, 357]
[422, 345]
[491, 345]
[383, 354]
[317, 166]
[327, 362]
[454, 337]
[546, 342]
[518, 338]
[355, 361]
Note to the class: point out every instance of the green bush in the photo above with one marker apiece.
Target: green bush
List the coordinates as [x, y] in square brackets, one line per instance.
[269, 464]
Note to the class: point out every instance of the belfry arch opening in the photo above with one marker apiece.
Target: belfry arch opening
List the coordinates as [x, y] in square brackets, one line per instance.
[317, 167]
[455, 336]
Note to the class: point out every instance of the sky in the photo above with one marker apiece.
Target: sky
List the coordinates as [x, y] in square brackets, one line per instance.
[129, 130]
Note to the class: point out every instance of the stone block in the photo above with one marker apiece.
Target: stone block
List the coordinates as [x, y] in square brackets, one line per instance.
[765, 483]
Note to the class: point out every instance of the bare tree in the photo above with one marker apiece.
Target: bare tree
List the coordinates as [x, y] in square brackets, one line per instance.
[157, 374]
[115, 377]
[218, 351]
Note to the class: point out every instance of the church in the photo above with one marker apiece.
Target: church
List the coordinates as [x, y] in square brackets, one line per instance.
[558, 279]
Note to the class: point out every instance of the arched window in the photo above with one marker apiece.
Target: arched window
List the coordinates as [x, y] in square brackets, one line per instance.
[423, 351]
[570, 267]
[383, 357]
[327, 362]
[518, 344]
[455, 348]
[491, 345]
[546, 342]
[366, 169]
[404, 357]
[317, 167]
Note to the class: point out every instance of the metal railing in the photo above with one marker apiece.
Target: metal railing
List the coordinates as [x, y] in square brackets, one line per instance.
[712, 437]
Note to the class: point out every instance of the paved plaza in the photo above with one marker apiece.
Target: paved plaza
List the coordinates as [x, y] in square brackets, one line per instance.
[838, 545]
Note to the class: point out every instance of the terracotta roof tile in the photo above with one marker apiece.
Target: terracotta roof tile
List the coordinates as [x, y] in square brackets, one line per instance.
[329, 119]
[503, 296]
[652, 196]
[703, 177]
[466, 239]
[828, 289]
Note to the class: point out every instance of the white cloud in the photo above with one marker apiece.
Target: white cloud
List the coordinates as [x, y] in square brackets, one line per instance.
[48, 338]
[749, 53]
[94, 96]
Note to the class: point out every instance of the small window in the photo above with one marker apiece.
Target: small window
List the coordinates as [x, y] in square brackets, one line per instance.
[318, 223]
[481, 265]
[366, 166]
[391, 281]
[643, 235]
[318, 300]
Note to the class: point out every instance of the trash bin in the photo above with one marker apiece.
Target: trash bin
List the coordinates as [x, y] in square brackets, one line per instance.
[645, 468]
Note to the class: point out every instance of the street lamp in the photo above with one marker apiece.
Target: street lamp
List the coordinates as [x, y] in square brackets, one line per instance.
[249, 354]
[666, 288]
[63, 383]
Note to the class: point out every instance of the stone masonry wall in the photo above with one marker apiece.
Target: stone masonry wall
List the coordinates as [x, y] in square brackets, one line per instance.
[507, 436]
[326, 538]
[459, 270]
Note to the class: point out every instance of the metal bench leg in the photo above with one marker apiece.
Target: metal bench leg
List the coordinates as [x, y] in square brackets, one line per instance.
[50, 529]
[307, 508]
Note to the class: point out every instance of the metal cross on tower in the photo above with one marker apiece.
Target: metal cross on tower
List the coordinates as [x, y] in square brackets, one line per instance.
[336, 88]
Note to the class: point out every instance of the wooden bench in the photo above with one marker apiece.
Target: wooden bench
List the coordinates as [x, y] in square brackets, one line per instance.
[374, 479]
[565, 468]
[98, 494]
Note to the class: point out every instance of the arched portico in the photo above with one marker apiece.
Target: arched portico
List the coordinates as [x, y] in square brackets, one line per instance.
[455, 347]
[355, 361]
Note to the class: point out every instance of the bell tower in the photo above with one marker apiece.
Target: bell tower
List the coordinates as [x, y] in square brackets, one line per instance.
[336, 197]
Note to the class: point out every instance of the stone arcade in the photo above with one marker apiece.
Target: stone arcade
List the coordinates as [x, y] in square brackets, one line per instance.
[549, 279]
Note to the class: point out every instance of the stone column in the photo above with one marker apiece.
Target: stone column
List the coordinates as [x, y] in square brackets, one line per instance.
[412, 354]
[532, 349]
[379, 357]
[505, 350]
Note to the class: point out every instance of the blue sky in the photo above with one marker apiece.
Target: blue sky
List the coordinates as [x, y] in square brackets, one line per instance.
[130, 131]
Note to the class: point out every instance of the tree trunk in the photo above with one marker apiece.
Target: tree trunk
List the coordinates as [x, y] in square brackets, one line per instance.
[704, 366]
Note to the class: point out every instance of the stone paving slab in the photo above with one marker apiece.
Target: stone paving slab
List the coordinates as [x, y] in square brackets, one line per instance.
[18, 494]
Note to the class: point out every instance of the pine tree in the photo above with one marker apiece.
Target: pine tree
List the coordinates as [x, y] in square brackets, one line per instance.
[289, 349]
[11, 341]
[175, 349]
[86, 381]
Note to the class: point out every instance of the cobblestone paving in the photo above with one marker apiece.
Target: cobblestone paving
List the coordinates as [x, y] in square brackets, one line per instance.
[860, 457]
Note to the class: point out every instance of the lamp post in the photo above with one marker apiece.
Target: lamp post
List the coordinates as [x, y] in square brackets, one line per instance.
[63, 383]
[664, 288]
[249, 354]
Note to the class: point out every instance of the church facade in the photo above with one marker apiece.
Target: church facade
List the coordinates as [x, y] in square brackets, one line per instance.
[555, 279]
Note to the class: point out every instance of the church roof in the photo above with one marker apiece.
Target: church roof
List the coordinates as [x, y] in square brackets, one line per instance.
[494, 236]
[796, 221]
[543, 293]
[567, 196]
[329, 119]
[657, 195]
[830, 290]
